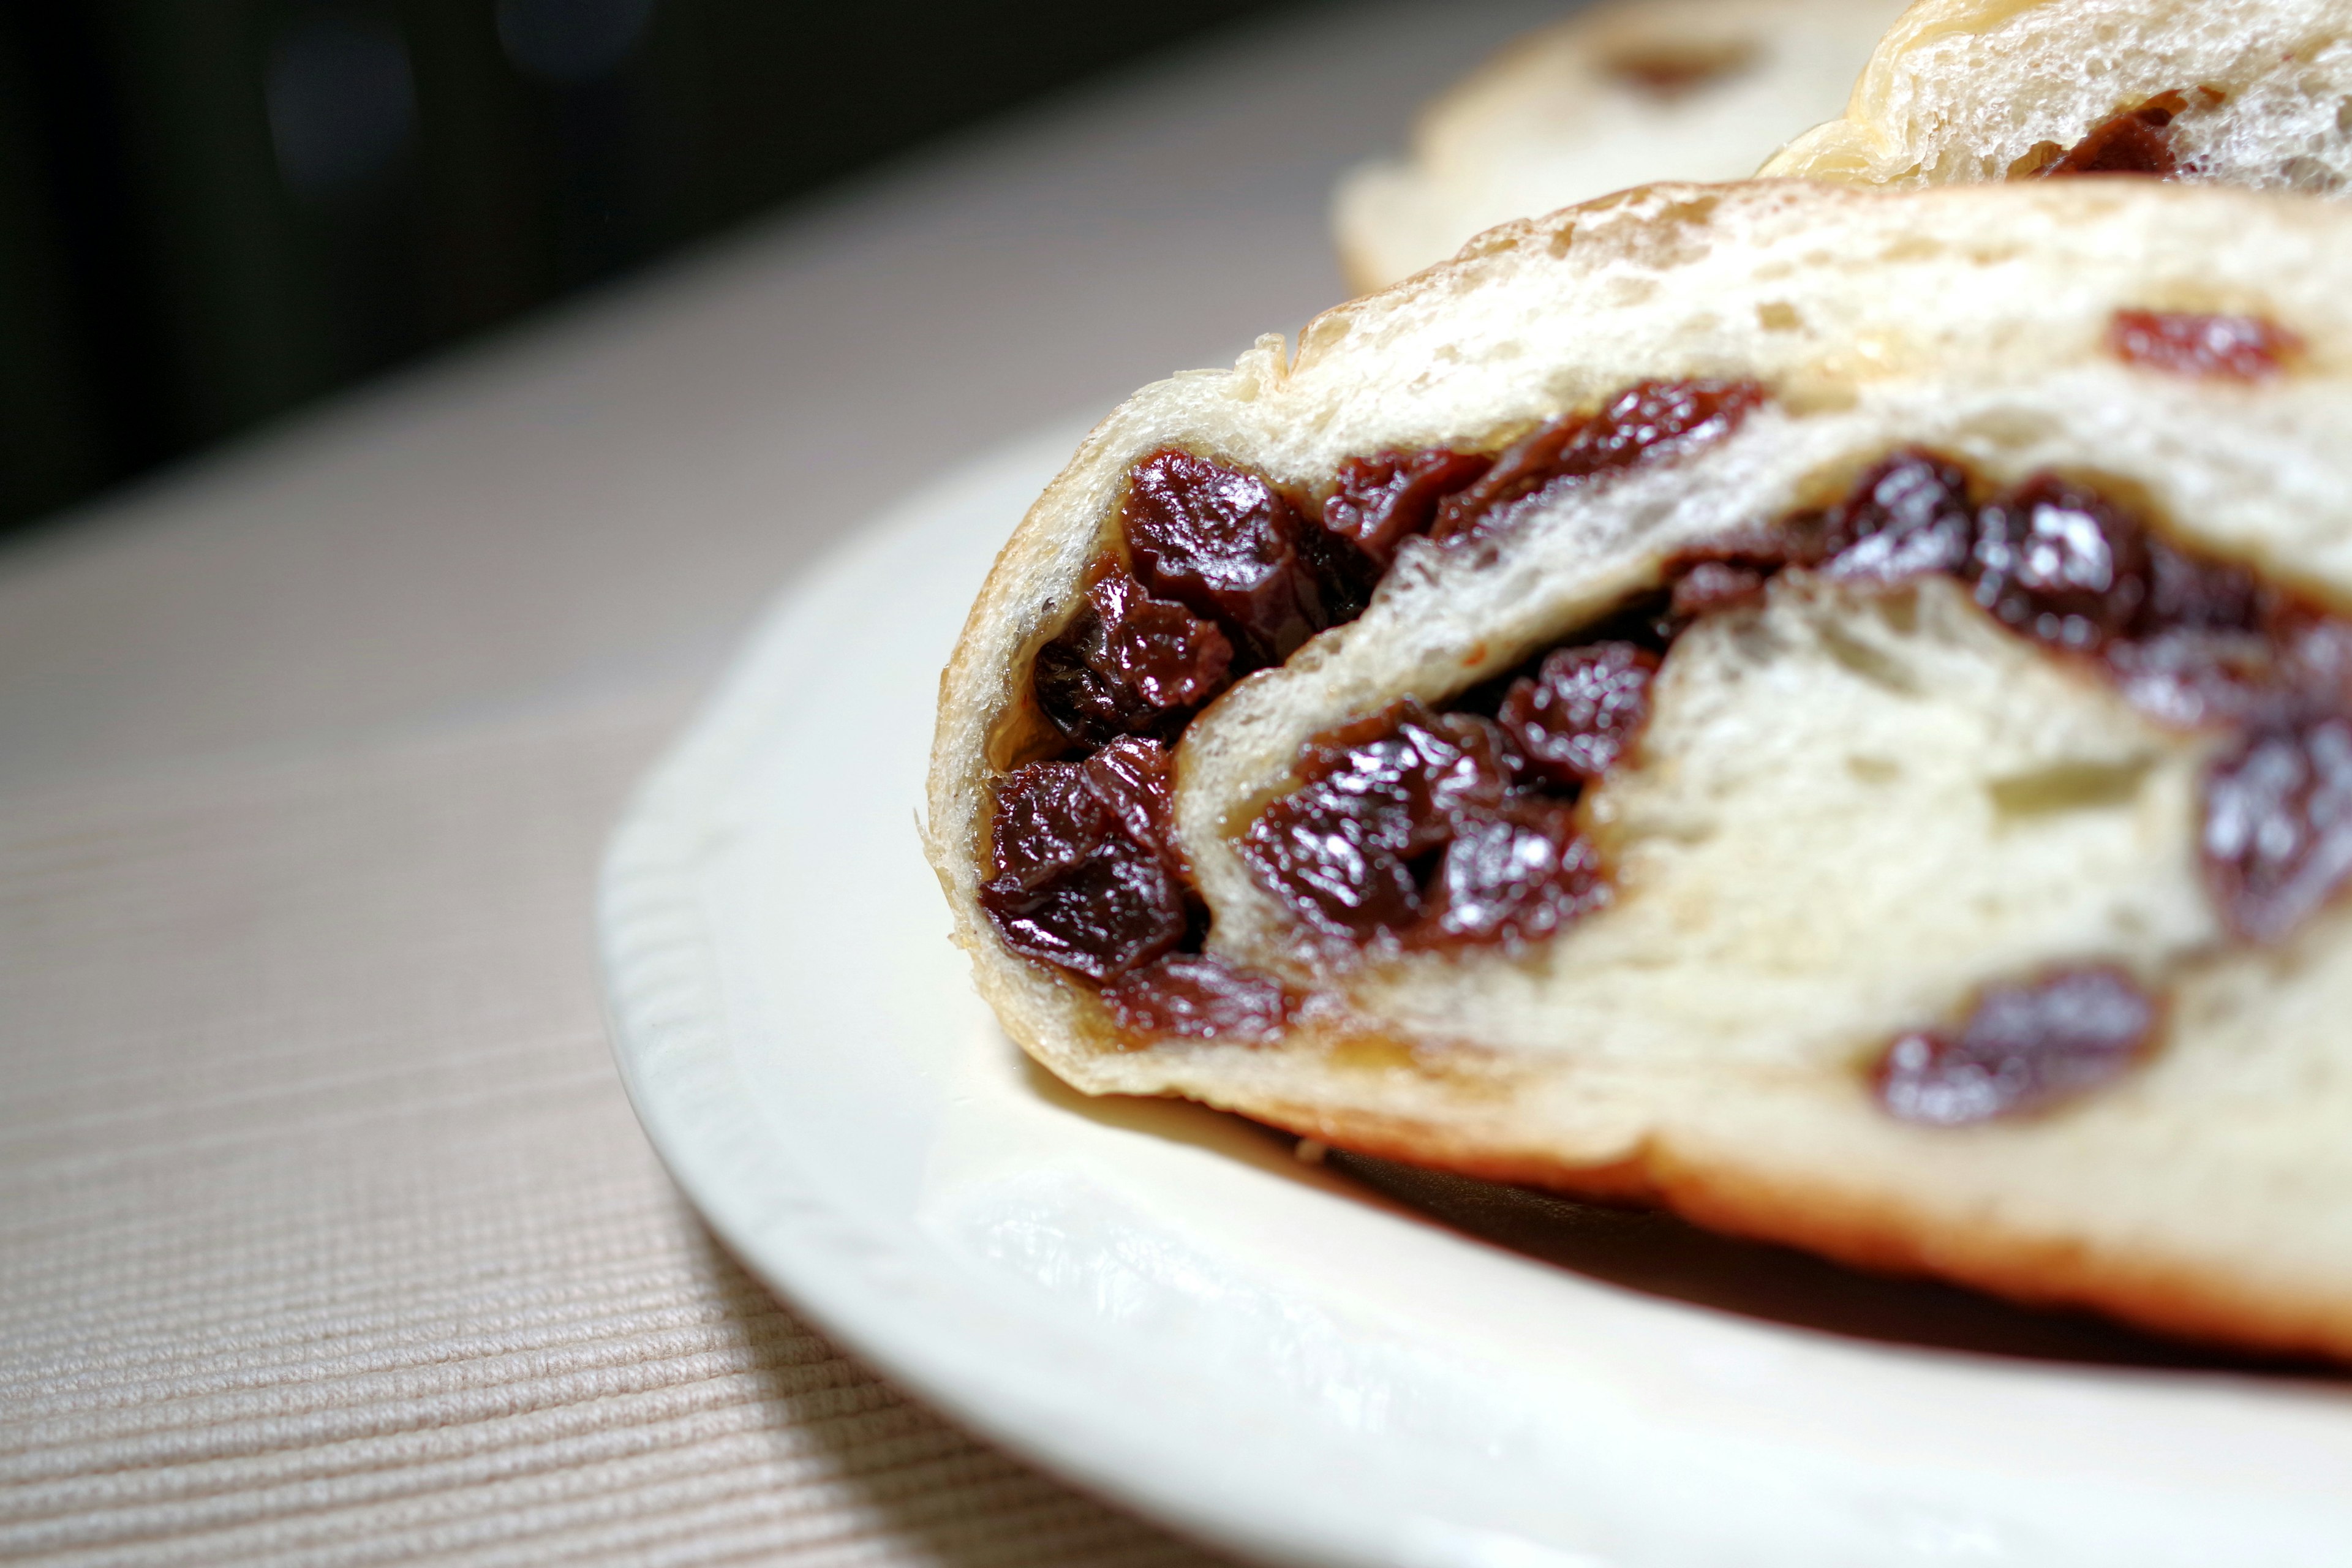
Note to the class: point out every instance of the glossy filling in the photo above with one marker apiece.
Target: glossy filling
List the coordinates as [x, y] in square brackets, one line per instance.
[1431, 830]
[1218, 574]
[2022, 1048]
[1416, 828]
[2188, 638]
[2231, 348]
[2135, 141]
[1386, 836]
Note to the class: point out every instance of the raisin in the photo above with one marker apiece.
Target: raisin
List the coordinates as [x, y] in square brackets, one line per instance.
[2210, 643]
[1708, 587]
[2058, 563]
[1461, 827]
[1226, 545]
[1571, 721]
[1198, 996]
[1375, 797]
[2189, 675]
[1669, 69]
[1517, 873]
[2136, 142]
[2023, 1048]
[1410, 824]
[1133, 778]
[1907, 517]
[1343, 577]
[1085, 877]
[2278, 825]
[1381, 501]
[1653, 418]
[2231, 348]
[1129, 665]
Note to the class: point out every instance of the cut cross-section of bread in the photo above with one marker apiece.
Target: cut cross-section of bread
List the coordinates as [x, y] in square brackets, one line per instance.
[1619, 94]
[1820, 707]
[2243, 92]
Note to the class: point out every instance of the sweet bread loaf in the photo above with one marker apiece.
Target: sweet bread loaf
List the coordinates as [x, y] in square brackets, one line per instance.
[2243, 92]
[1618, 94]
[1828, 710]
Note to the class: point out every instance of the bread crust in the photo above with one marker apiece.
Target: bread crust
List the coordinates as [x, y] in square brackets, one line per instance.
[1623, 91]
[1945, 316]
[1854, 1228]
[1988, 89]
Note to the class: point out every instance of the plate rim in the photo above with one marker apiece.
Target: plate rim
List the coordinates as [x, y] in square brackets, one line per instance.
[656, 960]
[663, 983]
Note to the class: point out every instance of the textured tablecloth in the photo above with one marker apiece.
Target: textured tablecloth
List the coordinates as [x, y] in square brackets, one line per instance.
[326, 1234]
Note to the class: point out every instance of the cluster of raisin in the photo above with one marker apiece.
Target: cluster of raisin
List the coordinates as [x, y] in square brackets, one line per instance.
[1460, 826]
[1220, 573]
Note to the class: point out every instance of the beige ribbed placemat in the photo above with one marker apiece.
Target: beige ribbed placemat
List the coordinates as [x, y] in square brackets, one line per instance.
[329, 1238]
[326, 1234]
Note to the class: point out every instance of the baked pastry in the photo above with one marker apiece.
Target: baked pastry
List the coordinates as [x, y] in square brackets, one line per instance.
[1619, 94]
[1827, 709]
[2241, 92]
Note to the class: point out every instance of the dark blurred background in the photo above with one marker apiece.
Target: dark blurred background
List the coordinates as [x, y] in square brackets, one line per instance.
[213, 210]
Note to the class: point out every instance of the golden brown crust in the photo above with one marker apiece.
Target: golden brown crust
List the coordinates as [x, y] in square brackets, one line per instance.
[1963, 91]
[1438, 1148]
[1651, 282]
[2146, 1291]
[1618, 92]
[1863, 1231]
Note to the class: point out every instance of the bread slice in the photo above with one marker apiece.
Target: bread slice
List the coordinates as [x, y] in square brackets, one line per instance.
[1861, 806]
[2243, 92]
[1619, 94]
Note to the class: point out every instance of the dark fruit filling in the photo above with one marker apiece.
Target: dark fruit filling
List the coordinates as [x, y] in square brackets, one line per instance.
[1129, 665]
[2023, 1048]
[1421, 829]
[1436, 830]
[1223, 575]
[2278, 823]
[2231, 348]
[1367, 843]
[1460, 828]
[1229, 547]
[2188, 638]
[1198, 996]
[1569, 724]
[1432, 828]
[1082, 875]
[1220, 573]
[1655, 419]
[1380, 502]
[2136, 142]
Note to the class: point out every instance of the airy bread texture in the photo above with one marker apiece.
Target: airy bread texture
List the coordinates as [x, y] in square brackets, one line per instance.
[1964, 91]
[1620, 94]
[1849, 810]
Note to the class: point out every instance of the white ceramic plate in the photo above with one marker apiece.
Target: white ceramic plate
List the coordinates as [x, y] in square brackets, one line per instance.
[1290, 1360]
